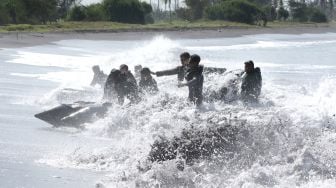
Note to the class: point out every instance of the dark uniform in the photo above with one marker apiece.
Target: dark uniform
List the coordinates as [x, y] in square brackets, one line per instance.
[99, 78]
[149, 86]
[251, 86]
[113, 87]
[118, 86]
[194, 77]
[129, 87]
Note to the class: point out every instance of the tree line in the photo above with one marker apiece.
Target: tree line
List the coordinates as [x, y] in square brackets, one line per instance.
[254, 11]
[136, 11]
[48, 11]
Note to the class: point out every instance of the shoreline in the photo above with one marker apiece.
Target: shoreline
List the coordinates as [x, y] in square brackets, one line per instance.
[28, 39]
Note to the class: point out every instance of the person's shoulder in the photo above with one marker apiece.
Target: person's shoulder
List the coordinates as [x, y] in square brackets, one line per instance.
[257, 69]
[130, 73]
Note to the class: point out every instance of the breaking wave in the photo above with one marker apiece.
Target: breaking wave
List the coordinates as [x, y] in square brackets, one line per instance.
[288, 140]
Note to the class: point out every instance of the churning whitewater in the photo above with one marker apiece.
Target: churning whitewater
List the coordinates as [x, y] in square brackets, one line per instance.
[287, 140]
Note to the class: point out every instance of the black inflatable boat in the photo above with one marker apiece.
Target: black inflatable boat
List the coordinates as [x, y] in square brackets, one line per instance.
[73, 115]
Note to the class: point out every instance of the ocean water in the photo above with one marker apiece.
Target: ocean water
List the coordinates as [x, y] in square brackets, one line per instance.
[291, 138]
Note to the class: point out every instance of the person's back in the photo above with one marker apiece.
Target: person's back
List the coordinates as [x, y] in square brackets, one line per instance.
[251, 83]
[129, 84]
[147, 83]
[99, 77]
[112, 88]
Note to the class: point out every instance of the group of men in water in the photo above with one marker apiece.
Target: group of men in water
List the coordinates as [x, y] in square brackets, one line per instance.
[121, 83]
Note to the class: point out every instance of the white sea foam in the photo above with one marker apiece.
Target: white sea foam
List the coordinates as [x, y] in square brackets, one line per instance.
[288, 140]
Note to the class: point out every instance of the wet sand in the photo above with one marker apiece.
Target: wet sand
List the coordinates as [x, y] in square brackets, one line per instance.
[14, 40]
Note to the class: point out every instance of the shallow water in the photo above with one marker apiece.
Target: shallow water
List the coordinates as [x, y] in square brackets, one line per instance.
[291, 135]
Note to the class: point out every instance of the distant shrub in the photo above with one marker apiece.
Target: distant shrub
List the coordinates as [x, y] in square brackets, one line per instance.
[197, 8]
[16, 11]
[282, 14]
[299, 11]
[4, 17]
[237, 11]
[78, 13]
[318, 16]
[95, 12]
[127, 11]
[270, 12]
[184, 13]
[302, 12]
[147, 8]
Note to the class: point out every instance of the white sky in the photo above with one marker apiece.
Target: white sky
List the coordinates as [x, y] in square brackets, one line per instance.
[86, 2]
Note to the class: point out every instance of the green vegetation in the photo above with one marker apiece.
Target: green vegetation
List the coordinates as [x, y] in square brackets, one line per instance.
[78, 13]
[116, 27]
[161, 26]
[67, 15]
[126, 11]
[46, 11]
[32, 11]
[302, 12]
[236, 10]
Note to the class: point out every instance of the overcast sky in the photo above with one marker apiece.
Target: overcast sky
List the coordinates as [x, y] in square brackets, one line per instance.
[85, 2]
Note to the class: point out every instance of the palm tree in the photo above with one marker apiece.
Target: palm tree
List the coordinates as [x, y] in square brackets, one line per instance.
[169, 4]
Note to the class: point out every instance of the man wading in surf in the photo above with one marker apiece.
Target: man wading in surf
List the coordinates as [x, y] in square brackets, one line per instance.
[129, 85]
[147, 84]
[251, 83]
[194, 78]
[99, 76]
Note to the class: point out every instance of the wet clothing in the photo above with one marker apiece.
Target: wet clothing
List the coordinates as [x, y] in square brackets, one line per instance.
[113, 88]
[129, 78]
[118, 86]
[251, 86]
[99, 78]
[194, 77]
[129, 87]
[179, 70]
[149, 86]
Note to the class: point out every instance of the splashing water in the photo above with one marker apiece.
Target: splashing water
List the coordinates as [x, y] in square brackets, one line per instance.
[288, 140]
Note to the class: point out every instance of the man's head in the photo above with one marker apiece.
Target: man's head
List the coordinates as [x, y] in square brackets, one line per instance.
[123, 68]
[249, 66]
[145, 73]
[194, 61]
[115, 74]
[96, 69]
[185, 57]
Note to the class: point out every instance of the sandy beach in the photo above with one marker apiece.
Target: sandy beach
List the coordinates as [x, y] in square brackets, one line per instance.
[13, 40]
